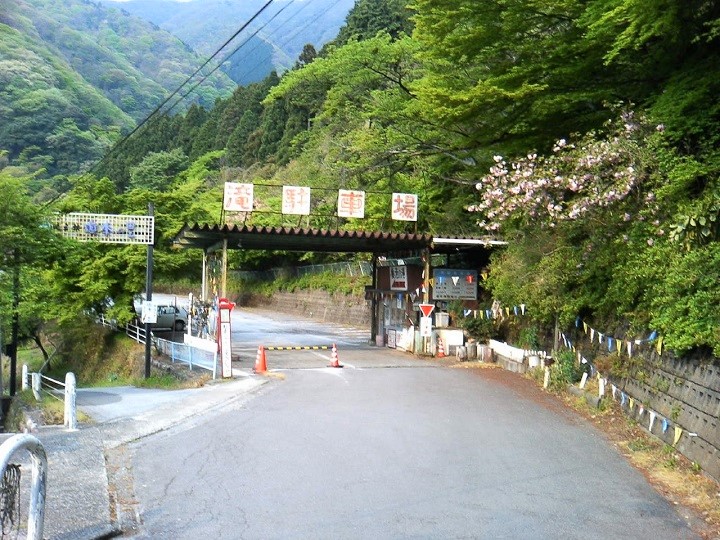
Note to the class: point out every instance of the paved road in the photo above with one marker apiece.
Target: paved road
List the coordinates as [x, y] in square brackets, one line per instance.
[390, 447]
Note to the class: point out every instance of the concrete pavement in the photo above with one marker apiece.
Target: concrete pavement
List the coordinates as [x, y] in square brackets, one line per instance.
[80, 501]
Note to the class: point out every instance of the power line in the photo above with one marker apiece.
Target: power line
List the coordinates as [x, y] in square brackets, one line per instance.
[229, 55]
[155, 111]
[291, 36]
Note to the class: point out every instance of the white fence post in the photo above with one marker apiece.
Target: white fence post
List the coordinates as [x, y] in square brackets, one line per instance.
[36, 386]
[70, 409]
[36, 512]
[25, 377]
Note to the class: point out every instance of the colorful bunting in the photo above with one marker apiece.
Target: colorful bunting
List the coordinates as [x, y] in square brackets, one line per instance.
[678, 434]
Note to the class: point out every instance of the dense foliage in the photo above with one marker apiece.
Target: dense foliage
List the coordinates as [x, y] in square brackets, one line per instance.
[584, 133]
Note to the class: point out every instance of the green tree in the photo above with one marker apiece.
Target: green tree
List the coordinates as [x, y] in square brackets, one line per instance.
[158, 170]
[28, 246]
[368, 17]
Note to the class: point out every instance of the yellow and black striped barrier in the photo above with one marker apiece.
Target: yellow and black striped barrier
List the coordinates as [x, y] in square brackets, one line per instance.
[299, 348]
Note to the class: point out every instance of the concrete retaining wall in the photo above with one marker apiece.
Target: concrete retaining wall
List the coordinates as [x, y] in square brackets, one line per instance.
[687, 393]
[322, 306]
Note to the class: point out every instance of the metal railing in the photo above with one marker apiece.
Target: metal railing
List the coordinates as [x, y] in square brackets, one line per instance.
[134, 332]
[192, 356]
[360, 268]
[36, 512]
[65, 392]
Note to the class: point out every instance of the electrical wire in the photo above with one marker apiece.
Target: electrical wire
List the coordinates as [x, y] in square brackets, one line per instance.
[291, 36]
[229, 55]
[157, 109]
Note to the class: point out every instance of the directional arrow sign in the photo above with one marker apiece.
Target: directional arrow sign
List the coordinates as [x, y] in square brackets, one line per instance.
[427, 309]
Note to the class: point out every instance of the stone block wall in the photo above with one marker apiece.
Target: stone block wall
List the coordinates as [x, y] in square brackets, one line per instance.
[685, 392]
[322, 306]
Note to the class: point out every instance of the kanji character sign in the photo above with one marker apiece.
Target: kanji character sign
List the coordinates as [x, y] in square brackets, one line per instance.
[404, 206]
[351, 203]
[296, 200]
[238, 197]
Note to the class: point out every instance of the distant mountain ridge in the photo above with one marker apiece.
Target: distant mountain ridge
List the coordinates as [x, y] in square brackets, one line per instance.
[75, 74]
[205, 24]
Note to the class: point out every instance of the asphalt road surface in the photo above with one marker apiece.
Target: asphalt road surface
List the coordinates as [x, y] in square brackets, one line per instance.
[390, 446]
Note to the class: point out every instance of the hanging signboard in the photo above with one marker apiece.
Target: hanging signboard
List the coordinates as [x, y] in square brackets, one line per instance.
[404, 207]
[296, 200]
[238, 197]
[351, 203]
[107, 228]
[453, 284]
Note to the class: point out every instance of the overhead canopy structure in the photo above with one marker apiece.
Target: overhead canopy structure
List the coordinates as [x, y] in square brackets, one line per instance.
[214, 237]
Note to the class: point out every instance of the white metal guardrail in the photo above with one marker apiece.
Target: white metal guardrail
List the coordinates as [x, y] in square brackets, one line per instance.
[36, 512]
[191, 354]
[133, 331]
[195, 352]
[66, 392]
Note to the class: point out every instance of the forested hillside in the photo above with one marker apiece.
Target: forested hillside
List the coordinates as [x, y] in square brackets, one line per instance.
[75, 75]
[584, 133]
[282, 30]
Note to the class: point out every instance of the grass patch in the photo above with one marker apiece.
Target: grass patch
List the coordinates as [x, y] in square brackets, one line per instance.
[164, 381]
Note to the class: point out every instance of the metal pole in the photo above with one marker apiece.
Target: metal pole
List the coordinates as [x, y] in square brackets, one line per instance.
[427, 341]
[373, 302]
[70, 395]
[148, 296]
[224, 269]
[15, 328]
[203, 292]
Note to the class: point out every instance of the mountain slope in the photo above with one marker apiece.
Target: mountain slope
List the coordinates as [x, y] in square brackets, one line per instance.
[205, 25]
[75, 74]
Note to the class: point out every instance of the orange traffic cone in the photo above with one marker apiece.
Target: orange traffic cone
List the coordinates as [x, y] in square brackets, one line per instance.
[260, 363]
[440, 349]
[334, 360]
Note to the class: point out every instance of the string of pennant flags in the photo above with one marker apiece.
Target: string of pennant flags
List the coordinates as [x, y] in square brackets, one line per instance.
[613, 344]
[652, 416]
[491, 314]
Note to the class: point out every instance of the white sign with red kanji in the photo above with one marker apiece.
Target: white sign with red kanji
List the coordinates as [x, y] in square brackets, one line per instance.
[296, 200]
[351, 203]
[404, 207]
[238, 197]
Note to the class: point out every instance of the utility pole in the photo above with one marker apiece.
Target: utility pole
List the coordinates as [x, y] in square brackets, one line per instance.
[148, 296]
[15, 328]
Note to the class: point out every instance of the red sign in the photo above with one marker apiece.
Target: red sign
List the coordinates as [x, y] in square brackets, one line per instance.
[427, 309]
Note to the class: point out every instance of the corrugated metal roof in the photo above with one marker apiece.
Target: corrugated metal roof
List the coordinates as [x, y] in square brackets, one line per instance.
[210, 237]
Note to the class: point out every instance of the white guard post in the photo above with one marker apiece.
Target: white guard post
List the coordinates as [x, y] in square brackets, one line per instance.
[225, 307]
